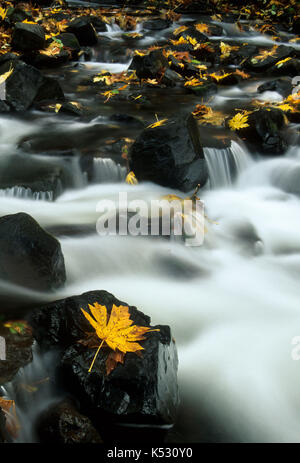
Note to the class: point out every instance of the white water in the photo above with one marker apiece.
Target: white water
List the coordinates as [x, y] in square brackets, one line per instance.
[234, 324]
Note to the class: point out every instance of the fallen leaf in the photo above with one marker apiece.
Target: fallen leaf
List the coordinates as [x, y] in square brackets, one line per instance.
[131, 179]
[239, 121]
[118, 333]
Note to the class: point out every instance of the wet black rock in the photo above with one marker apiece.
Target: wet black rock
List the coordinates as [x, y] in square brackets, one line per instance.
[171, 78]
[41, 60]
[39, 175]
[28, 37]
[281, 86]
[16, 15]
[61, 423]
[170, 155]
[18, 353]
[70, 109]
[264, 133]
[69, 41]
[29, 256]
[256, 64]
[156, 24]
[141, 391]
[290, 68]
[149, 66]
[26, 85]
[84, 30]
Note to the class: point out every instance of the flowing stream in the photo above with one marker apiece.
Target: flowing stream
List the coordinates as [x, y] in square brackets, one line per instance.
[232, 304]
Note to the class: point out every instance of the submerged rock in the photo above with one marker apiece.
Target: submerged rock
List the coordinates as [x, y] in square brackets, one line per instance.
[170, 155]
[62, 424]
[142, 391]
[29, 256]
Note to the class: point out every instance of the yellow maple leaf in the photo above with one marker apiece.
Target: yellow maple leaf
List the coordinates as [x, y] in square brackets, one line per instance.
[225, 50]
[6, 75]
[193, 82]
[282, 61]
[219, 77]
[131, 179]
[158, 123]
[118, 333]
[179, 30]
[286, 107]
[203, 28]
[264, 54]
[3, 13]
[239, 121]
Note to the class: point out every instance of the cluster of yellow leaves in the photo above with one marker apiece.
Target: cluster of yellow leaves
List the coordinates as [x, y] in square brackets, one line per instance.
[206, 115]
[239, 121]
[226, 50]
[119, 333]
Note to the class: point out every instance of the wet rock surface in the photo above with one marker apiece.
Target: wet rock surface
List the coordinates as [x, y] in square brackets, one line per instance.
[62, 424]
[170, 155]
[142, 391]
[18, 353]
[27, 85]
[29, 256]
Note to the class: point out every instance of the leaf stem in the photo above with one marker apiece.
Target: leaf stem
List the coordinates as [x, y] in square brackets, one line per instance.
[95, 356]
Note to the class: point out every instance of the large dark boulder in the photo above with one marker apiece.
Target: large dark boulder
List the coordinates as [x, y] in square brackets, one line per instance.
[264, 133]
[84, 30]
[142, 391]
[28, 37]
[149, 66]
[61, 423]
[170, 155]
[29, 256]
[27, 85]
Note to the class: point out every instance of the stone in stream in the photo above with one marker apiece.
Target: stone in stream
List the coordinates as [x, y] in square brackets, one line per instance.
[136, 399]
[40, 175]
[149, 66]
[27, 85]
[18, 352]
[281, 86]
[156, 24]
[28, 37]
[264, 133]
[29, 256]
[69, 41]
[170, 155]
[16, 15]
[61, 423]
[256, 64]
[84, 30]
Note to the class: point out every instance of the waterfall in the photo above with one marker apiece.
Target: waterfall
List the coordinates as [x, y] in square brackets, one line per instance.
[21, 192]
[224, 164]
[33, 392]
[108, 171]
